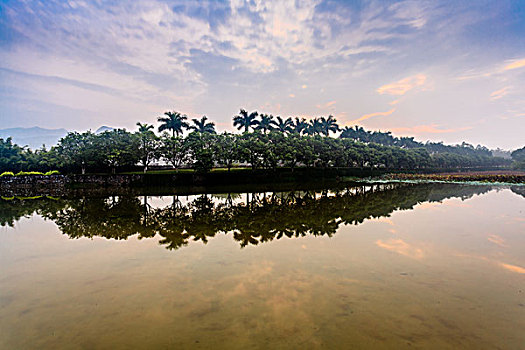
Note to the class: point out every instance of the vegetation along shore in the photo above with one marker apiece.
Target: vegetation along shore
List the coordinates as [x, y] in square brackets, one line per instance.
[265, 143]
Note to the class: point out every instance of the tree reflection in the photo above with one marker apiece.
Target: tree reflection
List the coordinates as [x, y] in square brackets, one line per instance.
[252, 218]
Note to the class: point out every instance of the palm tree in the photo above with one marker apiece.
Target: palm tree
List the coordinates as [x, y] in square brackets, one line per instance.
[266, 123]
[147, 146]
[348, 133]
[144, 128]
[314, 127]
[173, 121]
[300, 125]
[245, 120]
[202, 126]
[328, 124]
[284, 126]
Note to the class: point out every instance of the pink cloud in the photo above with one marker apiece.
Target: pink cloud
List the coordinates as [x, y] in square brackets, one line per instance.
[401, 247]
[427, 129]
[499, 93]
[371, 115]
[513, 268]
[403, 86]
[515, 64]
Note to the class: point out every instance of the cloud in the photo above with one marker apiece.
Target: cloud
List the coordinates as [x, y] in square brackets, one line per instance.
[513, 268]
[515, 64]
[403, 86]
[497, 70]
[329, 105]
[496, 95]
[370, 115]
[395, 102]
[427, 129]
[497, 240]
[401, 247]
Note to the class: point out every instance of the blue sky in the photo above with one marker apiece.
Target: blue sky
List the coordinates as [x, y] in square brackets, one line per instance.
[436, 70]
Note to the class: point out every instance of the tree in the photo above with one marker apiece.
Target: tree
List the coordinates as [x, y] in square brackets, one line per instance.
[252, 148]
[116, 148]
[227, 149]
[148, 145]
[518, 158]
[327, 125]
[313, 127]
[174, 150]
[300, 125]
[245, 120]
[173, 121]
[201, 147]
[202, 126]
[77, 150]
[284, 126]
[12, 157]
[266, 123]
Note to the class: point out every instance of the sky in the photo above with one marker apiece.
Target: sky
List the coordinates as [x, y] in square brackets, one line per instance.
[437, 70]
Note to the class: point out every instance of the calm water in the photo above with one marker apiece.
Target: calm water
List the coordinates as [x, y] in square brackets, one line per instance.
[383, 266]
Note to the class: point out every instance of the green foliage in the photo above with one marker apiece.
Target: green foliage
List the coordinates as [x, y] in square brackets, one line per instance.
[275, 142]
[202, 150]
[148, 145]
[7, 173]
[24, 173]
[173, 121]
[174, 150]
[12, 156]
[52, 172]
[518, 158]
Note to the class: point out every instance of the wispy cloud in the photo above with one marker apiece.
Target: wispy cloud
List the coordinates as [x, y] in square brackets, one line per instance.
[371, 115]
[326, 105]
[427, 129]
[513, 268]
[404, 85]
[515, 64]
[497, 240]
[401, 247]
[496, 95]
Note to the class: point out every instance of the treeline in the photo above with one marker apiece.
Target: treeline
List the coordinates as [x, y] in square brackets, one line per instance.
[266, 142]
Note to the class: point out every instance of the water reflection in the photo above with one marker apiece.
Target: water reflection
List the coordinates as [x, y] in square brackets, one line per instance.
[252, 218]
[408, 266]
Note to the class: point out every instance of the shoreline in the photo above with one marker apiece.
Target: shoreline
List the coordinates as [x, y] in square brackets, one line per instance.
[258, 180]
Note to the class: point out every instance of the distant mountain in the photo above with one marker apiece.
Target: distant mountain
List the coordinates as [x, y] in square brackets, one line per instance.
[104, 128]
[33, 137]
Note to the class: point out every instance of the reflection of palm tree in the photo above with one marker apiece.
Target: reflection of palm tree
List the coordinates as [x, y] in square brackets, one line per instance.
[245, 120]
[261, 219]
[173, 121]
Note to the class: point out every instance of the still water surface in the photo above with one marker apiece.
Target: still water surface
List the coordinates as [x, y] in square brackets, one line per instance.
[383, 266]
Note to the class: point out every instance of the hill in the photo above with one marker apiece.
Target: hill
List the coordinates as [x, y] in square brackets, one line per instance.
[33, 137]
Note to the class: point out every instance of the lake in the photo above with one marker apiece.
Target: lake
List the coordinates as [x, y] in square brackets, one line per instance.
[379, 266]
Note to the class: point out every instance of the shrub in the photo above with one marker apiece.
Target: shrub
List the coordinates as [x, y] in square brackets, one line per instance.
[52, 172]
[22, 173]
[7, 173]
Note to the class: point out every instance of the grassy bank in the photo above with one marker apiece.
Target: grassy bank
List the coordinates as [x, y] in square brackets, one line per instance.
[503, 176]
